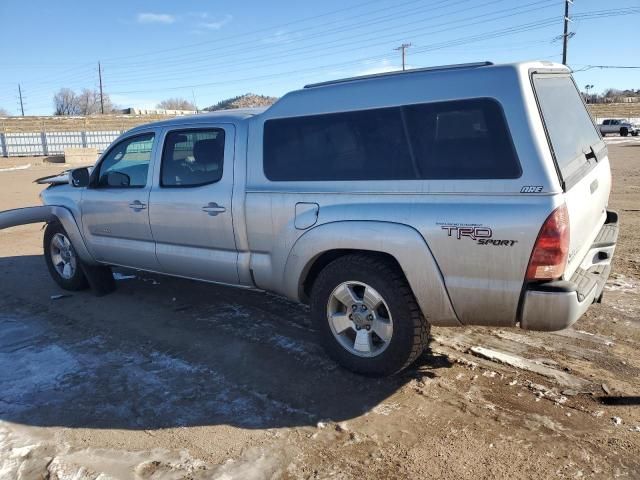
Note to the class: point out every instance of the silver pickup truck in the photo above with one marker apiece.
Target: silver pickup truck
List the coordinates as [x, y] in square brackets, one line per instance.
[619, 127]
[463, 195]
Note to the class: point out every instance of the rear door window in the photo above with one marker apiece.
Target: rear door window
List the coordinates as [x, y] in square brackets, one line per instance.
[569, 126]
[192, 158]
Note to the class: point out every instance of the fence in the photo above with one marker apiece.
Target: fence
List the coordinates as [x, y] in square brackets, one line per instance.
[52, 143]
[35, 136]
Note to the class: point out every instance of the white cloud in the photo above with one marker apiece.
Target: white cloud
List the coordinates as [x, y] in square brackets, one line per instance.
[164, 18]
[277, 37]
[209, 23]
[383, 66]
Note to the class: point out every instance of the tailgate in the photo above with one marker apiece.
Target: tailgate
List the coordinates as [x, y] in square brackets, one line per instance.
[587, 205]
[581, 159]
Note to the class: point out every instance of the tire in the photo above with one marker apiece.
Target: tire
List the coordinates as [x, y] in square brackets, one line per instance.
[58, 252]
[635, 134]
[624, 132]
[384, 280]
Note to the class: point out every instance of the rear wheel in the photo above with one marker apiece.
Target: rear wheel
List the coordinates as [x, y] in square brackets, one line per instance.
[367, 316]
[624, 132]
[61, 258]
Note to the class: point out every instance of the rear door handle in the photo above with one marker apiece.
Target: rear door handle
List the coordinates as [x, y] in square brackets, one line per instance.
[213, 209]
[137, 205]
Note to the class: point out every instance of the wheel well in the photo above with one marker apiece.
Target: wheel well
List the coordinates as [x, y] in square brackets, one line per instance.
[326, 258]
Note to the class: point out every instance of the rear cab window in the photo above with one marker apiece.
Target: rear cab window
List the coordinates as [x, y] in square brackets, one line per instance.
[572, 134]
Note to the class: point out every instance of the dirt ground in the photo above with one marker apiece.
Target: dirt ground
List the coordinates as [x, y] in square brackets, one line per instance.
[168, 378]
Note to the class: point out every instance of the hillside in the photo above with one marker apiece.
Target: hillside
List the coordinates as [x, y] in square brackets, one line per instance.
[248, 100]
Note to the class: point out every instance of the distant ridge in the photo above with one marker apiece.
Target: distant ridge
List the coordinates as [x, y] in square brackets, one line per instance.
[248, 100]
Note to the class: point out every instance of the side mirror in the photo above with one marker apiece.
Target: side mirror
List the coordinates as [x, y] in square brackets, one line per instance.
[80, 177]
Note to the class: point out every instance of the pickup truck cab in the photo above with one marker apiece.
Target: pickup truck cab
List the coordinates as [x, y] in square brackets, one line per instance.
[453, 196]
[617, 126]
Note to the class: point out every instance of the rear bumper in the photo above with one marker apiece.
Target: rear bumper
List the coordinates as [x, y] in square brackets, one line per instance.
[558, 304]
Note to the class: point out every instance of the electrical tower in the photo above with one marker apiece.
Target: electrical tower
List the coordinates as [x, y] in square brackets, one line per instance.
[403, 48]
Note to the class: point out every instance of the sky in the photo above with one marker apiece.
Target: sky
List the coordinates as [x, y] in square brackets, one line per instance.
[209, 50]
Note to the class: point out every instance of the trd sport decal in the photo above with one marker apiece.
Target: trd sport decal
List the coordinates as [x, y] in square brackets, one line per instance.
[481, 235]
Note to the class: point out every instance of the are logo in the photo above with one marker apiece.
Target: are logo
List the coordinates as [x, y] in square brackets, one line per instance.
[531, 189]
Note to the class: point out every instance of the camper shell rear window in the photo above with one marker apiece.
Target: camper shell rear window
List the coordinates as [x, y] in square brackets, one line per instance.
[570, 129]
[461, 140]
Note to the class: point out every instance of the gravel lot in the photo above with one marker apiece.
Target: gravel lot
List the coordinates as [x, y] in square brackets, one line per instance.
[168, 378]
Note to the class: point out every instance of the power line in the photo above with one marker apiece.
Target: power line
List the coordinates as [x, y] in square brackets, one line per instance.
[323, 48]
[498, 33]
[367, 43]
[254, 61]
[243, 35]
[623, 67]
[294, 38]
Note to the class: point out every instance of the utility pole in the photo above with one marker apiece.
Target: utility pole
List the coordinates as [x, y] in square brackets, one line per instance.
[193, 95]
[565, 35]
[101, 97]
[403, 49]
[21, 104]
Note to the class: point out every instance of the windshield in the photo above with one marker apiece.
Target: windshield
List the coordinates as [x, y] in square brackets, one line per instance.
[569, 126]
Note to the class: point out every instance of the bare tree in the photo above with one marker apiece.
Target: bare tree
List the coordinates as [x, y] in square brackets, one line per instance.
[3, 113]
[65, 102]
[89, 102]
[176, 104]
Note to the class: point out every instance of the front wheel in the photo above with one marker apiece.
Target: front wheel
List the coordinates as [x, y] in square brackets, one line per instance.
[624, 132]
[62, 260]
[367, 316]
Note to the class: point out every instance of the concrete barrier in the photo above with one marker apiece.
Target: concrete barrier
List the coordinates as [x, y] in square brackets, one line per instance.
[80, 156]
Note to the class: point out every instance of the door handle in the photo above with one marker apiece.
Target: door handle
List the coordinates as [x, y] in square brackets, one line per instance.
[213, 209]
[137, 205]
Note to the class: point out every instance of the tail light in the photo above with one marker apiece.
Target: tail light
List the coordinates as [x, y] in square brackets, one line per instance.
[550, 252]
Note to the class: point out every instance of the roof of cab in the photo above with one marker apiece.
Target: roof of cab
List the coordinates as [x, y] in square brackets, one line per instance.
[229, 116]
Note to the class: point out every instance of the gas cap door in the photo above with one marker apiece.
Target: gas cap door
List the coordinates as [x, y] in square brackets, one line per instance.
[306, 215]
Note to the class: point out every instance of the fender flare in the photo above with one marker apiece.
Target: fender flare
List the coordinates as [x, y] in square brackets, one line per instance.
[402, 242]
[48, 214]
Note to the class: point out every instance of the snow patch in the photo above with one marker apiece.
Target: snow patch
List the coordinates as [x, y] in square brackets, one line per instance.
[34, 371]
[13, 169]
[120, 276]
[620, 283]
